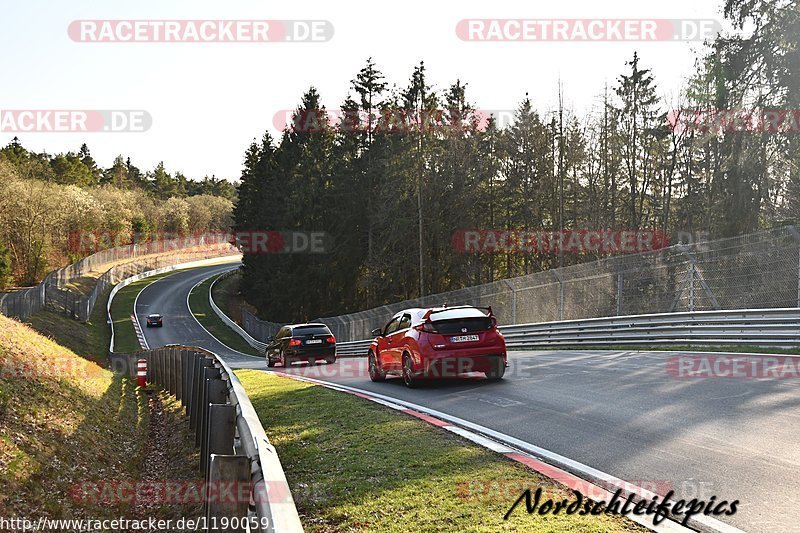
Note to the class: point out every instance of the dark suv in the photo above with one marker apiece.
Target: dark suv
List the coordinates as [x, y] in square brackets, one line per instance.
[301, 342]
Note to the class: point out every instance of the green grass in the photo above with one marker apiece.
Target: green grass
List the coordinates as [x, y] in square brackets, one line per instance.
[201, 308]
[66, 423]
[89, 340]
[125, 339]
[353, 465]
[63, 420]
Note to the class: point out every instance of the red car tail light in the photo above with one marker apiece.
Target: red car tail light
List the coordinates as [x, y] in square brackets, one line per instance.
[426, 327]
[331, 339]
[295, 342]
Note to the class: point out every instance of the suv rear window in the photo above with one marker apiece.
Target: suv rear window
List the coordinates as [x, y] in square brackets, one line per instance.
[462, 325]
[311, 330]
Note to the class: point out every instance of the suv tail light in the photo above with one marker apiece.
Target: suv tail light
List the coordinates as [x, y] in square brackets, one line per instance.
[295, 342]
[331, 339]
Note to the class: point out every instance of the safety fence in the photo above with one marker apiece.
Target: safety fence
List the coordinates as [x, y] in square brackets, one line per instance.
[754, 271]
[234, 449]
[126, 260]
[770, 328]
[260, 330]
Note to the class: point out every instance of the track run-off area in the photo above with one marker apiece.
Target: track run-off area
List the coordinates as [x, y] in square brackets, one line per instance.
[620, 412]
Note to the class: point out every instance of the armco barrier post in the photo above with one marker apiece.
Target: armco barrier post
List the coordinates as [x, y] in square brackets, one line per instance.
[179, 356]
[160, 367]
[173, 371]
[199, 364]
[216, 390]
[222, 418]
[153, 365]
[166, 356]
[225, 469]
[150, 367]
[209, 373]
[188, 372]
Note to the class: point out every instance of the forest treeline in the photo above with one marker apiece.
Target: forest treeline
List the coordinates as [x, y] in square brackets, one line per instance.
[50, 202]
[392, 193]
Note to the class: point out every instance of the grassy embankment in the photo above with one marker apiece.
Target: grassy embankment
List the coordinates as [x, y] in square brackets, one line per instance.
[66, 421]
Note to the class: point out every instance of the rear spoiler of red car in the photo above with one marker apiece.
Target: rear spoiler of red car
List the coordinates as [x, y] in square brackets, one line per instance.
[431, 311]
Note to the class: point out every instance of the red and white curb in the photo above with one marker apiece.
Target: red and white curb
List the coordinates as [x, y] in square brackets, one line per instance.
[530, 455]
[137, 326]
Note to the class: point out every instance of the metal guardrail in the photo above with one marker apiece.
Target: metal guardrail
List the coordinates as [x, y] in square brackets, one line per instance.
[234, 449]
[756, 271]
[260, 346]
[778, 328]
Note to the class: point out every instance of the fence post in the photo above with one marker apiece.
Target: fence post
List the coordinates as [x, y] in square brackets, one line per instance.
[208, 374]
[221, 417]
[174, 362]
[216, 392]
[223, 470]
[187, 371]
[691, 285]
[200, 364]
[619, 293]
[513, 306]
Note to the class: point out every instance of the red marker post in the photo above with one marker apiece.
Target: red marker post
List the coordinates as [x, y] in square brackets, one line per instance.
[141, 373]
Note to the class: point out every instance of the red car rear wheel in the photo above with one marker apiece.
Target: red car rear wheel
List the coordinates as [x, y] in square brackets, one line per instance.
[408, 373]
[375, 373]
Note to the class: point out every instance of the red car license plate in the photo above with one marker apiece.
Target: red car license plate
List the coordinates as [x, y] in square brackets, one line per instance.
[465, 338]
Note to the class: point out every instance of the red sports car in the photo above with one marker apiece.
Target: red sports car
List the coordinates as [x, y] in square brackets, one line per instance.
[438, 342]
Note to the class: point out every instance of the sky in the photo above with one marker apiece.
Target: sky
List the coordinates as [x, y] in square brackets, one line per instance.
[208, 101]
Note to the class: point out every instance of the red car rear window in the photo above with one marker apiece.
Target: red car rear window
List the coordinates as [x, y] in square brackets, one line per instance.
[462, 325]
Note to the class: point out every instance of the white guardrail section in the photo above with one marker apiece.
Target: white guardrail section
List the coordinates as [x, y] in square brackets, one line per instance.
[272, 496]
[260, 346]
[778, 328]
